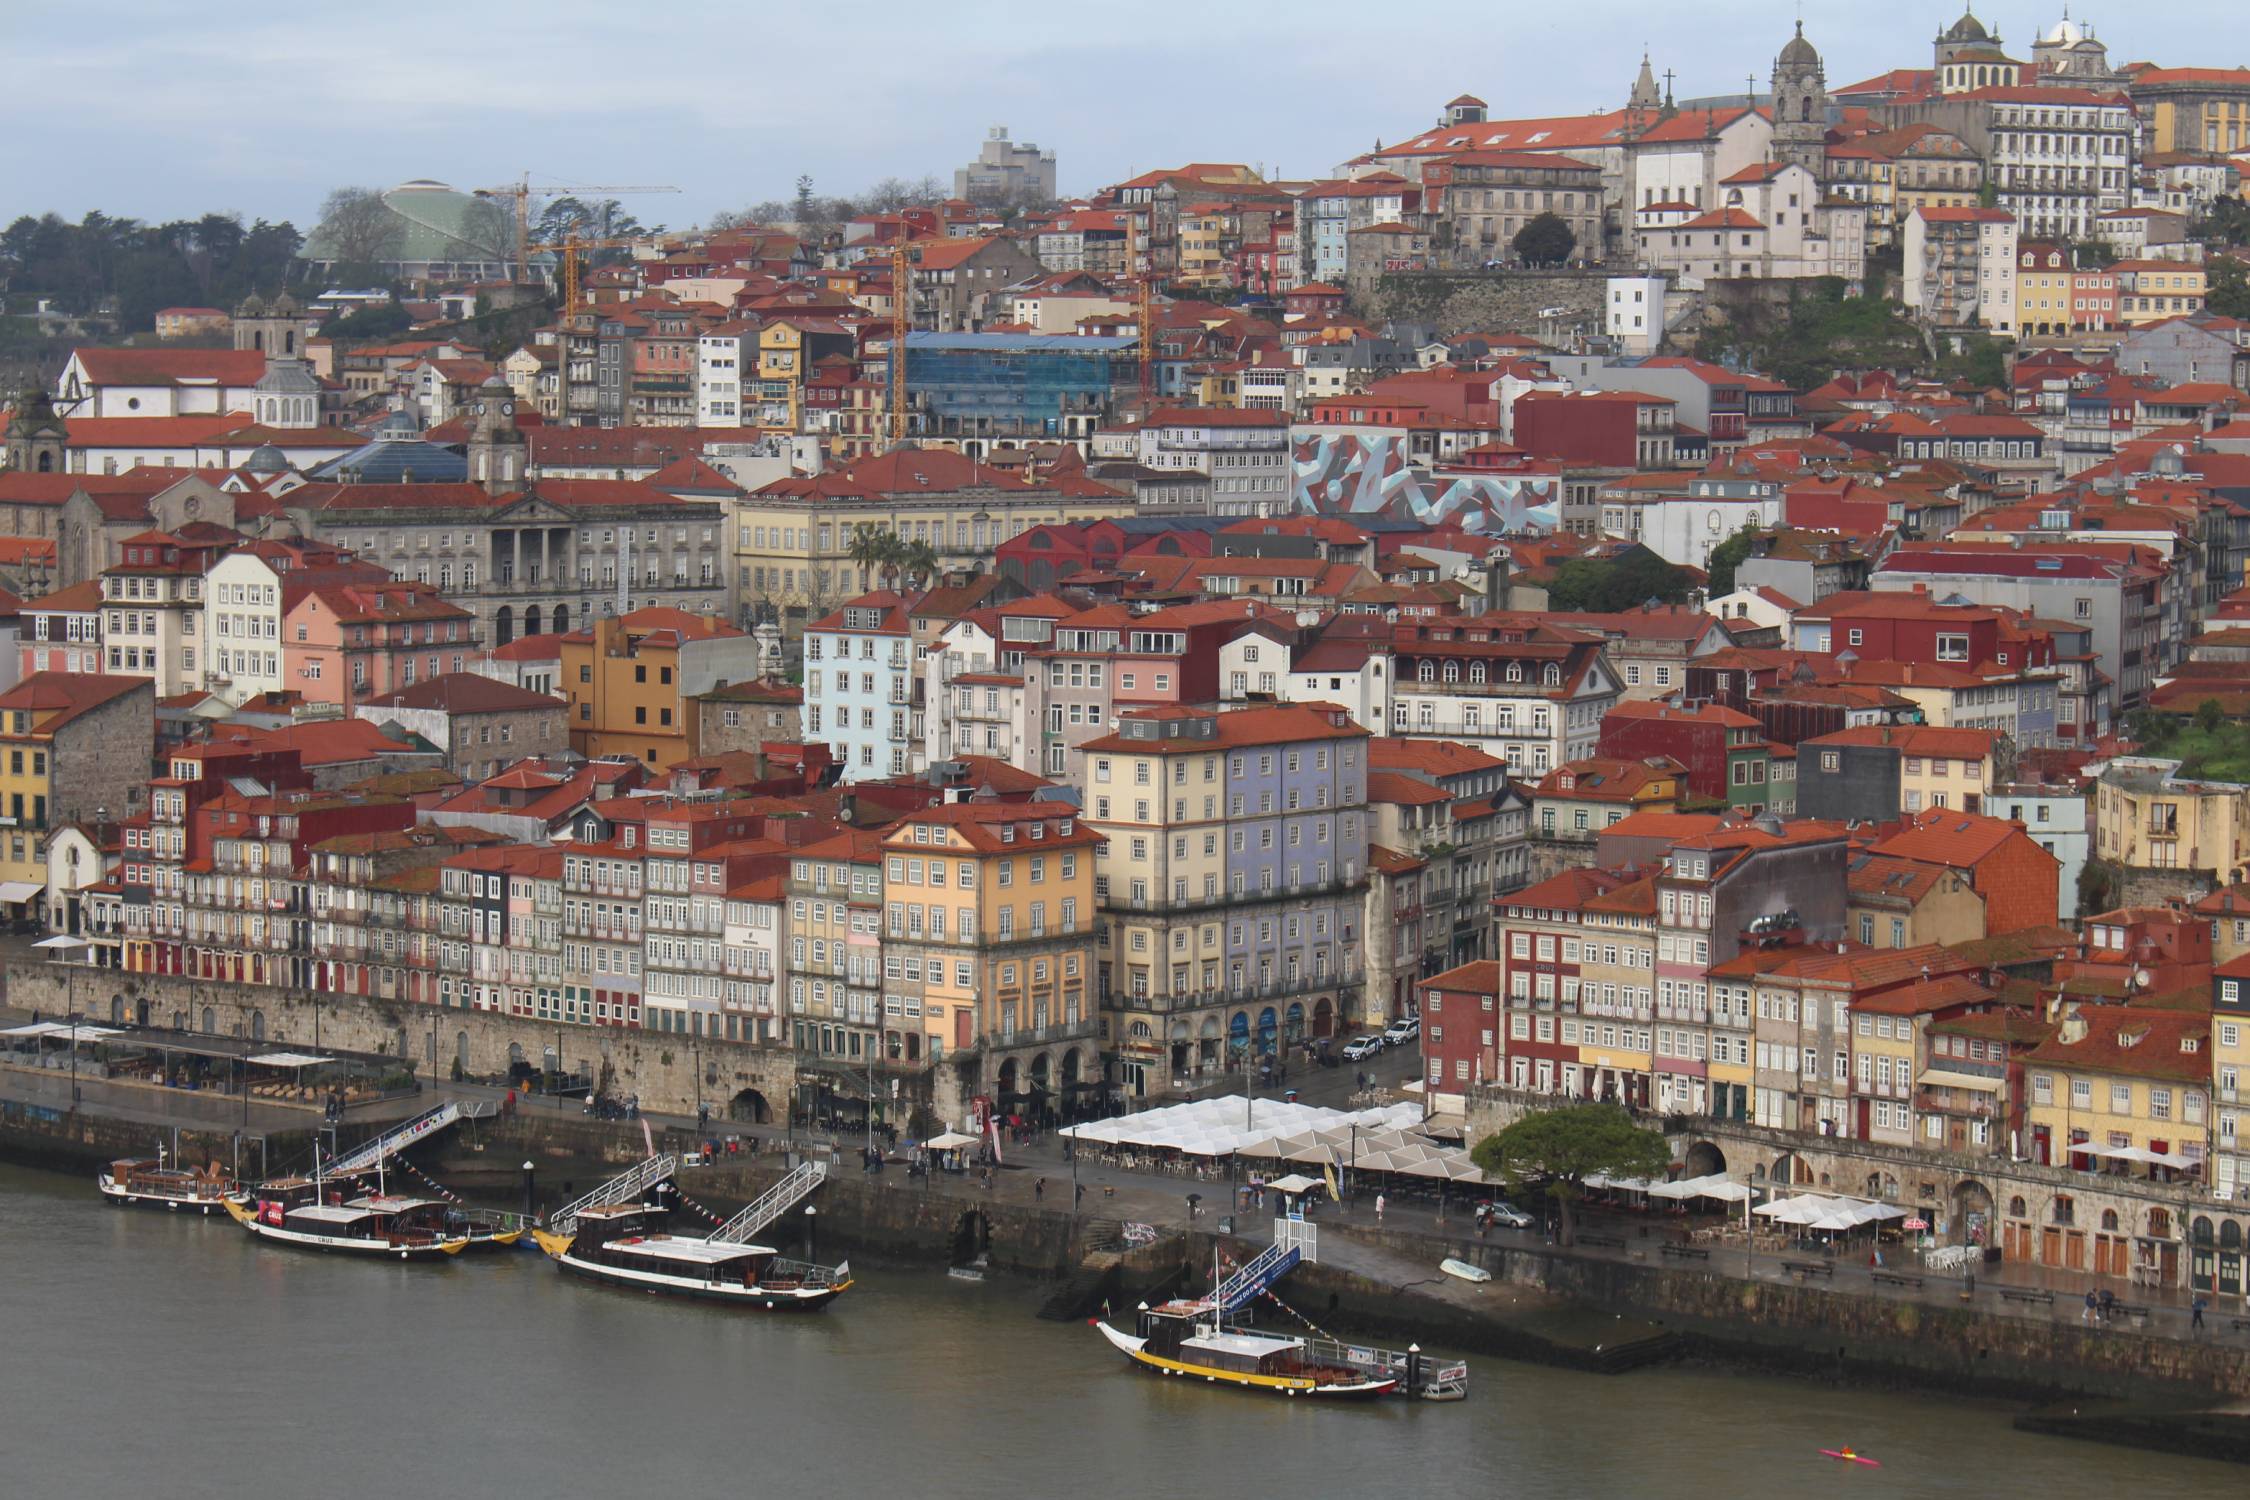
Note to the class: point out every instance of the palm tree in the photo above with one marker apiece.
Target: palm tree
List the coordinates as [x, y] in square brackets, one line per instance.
[919, 560]
[872, 548]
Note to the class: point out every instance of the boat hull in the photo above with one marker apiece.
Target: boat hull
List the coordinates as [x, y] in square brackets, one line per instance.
[760, 1299]
[337, 1244]
[119, 1196]
[1134, 1350]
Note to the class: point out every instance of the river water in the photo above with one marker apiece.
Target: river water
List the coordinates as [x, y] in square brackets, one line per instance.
[142, 1354]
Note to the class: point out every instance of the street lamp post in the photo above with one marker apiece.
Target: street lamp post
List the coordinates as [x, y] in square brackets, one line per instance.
[812, 1216]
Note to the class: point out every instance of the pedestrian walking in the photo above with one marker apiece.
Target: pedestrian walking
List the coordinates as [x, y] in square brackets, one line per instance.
[2093, 1304]
[1077, 1194]
[1378, 1208]
[1039, 1190]
[2195, 1312]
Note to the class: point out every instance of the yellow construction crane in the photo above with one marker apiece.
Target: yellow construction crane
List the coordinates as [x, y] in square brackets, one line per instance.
[1144, 296]
[902, 293]
[570, 252]
[521, 193]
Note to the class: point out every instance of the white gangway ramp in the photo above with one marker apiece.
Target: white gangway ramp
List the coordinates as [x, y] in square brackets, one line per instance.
[391, 1142]
[1262, 1271]
[771, 1205]
[625, 1187]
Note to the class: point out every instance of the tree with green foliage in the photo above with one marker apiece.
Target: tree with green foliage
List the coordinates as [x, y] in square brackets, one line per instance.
[2226, 223]
[1563, 1147]
[377, 320]
[2099, 885]
[1545, 241]
[1607, 585]
[132, 269]
[2210, 716]
[2093, 255]
[2227, 287]
[1726, 557]
[1982, 360]
[1823, 329]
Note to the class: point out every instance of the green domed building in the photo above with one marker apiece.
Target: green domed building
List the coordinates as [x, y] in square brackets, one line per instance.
[427, 232]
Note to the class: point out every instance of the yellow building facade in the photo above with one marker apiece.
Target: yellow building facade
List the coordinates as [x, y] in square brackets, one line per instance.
[793, 538]
[990, 924]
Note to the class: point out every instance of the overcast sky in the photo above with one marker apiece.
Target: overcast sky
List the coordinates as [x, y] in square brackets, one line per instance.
[156, 109]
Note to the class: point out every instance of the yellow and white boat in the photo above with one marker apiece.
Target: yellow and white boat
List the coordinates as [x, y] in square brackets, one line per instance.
[1182, 1339]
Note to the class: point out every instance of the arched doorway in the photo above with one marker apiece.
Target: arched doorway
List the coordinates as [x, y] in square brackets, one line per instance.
[562, 619]
[117, 1010]
[461, 1050]
[210, 1021]
[1703, 1159]
[140, 1012]
[1007, 1082]
[1324, 1018]
[504, 625]
[257, 1026]
[1268, 1023]
[1788, 1172]
[1207, 1045]
[531, 620]
[1183, 1048]
[1293, 1023]
[1972, 1214]
[1069, 1066]
[1238, 1035]
[1042, 1070]
[749, 1107]
[972, 1237]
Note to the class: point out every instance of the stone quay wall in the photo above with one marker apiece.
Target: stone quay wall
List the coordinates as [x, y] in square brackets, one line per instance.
[661, 1067]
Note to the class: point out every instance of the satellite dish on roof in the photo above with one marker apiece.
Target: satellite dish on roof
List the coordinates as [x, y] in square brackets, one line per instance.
[2142, 979]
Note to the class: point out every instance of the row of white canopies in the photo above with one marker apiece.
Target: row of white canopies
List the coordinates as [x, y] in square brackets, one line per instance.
[1715, 1187]
[1367, 1140]
[1808, 1210]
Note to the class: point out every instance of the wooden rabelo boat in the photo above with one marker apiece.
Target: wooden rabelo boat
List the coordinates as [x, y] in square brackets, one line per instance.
[1188, 1339]
[141, 1183]
[296, 1212]
[614, 1243]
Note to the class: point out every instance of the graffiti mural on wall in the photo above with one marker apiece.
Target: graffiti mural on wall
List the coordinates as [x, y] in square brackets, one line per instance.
[1348, 474]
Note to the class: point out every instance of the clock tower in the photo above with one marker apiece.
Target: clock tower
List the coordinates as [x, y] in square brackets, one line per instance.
[497, 450]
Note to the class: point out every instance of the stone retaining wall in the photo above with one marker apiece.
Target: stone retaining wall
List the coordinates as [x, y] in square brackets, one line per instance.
[660, 1067]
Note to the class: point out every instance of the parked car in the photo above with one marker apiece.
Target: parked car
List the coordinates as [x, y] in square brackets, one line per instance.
[1506, 1213]
[1401, 1031]
[1359, 1049]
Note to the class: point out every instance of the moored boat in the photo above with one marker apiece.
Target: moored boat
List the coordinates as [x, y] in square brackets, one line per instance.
[140, 1183]
[296, 1213]
[1184, 1339]
[615, 1243]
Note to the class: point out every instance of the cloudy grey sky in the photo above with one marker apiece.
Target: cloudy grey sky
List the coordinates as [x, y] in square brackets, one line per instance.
[156, 109]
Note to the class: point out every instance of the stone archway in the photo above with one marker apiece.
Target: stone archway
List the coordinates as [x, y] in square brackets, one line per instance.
[1703, 1159]
[749, 1107]
[1005, 1081]
[257, 1026]
[562, 619]
[1971, 1222]
[1789, 1171]
[531, 618]
[504, 625]
[1323, 1017]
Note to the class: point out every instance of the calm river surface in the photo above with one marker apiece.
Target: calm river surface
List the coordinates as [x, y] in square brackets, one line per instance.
[142, 1354]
